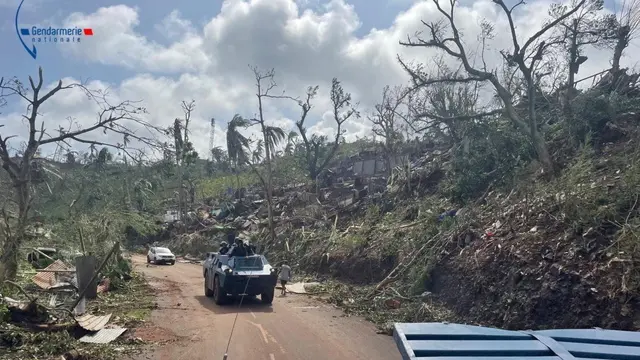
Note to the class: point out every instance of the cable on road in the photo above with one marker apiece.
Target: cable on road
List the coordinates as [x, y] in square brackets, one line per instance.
[246, 286]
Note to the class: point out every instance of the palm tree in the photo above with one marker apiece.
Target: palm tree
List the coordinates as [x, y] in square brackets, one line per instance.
[219, 161]
[291, 143]
[257, 152]
[71, 156]
[104, 156]
[237, 143]
[143, 192]
[217, 154]
[274, 136]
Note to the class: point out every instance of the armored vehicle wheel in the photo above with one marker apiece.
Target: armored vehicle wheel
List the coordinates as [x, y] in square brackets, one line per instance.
[219, 296]
[267, 296]
[207, 292]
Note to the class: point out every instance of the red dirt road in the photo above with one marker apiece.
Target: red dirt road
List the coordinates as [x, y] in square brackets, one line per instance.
[188, 325]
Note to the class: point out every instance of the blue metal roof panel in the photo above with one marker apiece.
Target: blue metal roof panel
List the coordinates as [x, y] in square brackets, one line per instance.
[478, 348]
[437, 331]
[603, 351]
[435, 341]
[594, 336]
[496, 358]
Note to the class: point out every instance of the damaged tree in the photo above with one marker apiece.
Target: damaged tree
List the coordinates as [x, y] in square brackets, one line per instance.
[525, 57]
[271, 136]
[586, 27]
[111, 119]
[386, 121]
[318, 153]
[438, 108]
[237, 145]
[185, 154]
[627, 28]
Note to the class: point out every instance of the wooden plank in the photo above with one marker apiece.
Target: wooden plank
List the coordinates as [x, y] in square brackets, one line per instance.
[522, 348]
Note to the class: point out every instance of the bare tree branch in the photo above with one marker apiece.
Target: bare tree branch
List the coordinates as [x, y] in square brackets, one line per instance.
[453, 46]
[110, 118]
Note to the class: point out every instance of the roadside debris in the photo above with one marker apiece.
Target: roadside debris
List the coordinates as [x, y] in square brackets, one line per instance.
[58, 274]
[103, 336]
[92, 322]
[301, 288]
[53, 305]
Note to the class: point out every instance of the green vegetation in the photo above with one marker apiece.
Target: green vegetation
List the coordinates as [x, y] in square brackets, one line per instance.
[544, 179]
[129, 305]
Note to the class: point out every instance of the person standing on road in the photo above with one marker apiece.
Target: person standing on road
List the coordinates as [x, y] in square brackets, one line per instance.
[284, 277]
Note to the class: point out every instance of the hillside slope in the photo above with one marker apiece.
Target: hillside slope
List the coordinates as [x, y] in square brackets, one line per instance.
[534, 253]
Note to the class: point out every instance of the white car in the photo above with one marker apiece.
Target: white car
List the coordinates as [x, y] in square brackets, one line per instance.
[160, 255]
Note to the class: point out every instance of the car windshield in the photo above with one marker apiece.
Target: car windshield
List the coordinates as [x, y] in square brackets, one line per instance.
[248, 263]
[163, 251]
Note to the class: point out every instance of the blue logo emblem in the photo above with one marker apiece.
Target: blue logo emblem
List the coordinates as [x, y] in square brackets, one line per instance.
[33, 52]
[48, 34]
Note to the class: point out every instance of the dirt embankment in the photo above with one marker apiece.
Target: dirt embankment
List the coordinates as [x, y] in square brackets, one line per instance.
[563, 256]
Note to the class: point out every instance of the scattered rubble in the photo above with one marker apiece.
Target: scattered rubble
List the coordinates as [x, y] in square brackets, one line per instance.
[302, 288]
[52, 303]
[353, 186]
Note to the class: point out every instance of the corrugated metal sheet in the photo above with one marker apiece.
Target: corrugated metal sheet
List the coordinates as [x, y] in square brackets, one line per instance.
[46, 280]
[460, 342]
[103, 336]
[93, 322]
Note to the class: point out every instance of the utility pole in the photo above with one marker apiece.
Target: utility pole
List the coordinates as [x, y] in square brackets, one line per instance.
[211, 134]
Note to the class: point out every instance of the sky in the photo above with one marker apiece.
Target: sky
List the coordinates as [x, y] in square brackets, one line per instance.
[161, 53]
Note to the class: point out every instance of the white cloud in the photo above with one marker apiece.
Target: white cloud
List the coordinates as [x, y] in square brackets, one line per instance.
[174, 27]
[306, 47]
[115, 42]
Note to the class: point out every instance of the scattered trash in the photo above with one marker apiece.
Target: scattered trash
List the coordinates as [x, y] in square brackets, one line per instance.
[446, 214]
[80, 307]
[392, 303]
[50, 276]
[299, 288]
[103, 336]
[104, 285]
[92, 322]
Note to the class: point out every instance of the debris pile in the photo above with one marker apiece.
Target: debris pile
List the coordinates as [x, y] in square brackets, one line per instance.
[60, 298]
[352, 186]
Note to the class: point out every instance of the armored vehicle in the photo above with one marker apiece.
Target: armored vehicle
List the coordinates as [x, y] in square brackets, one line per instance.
[234, 276]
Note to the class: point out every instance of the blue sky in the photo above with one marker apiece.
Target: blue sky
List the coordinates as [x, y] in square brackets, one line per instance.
[16, 61]
[307, 47]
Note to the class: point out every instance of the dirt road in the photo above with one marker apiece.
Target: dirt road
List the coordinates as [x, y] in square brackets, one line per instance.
[190, 326]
